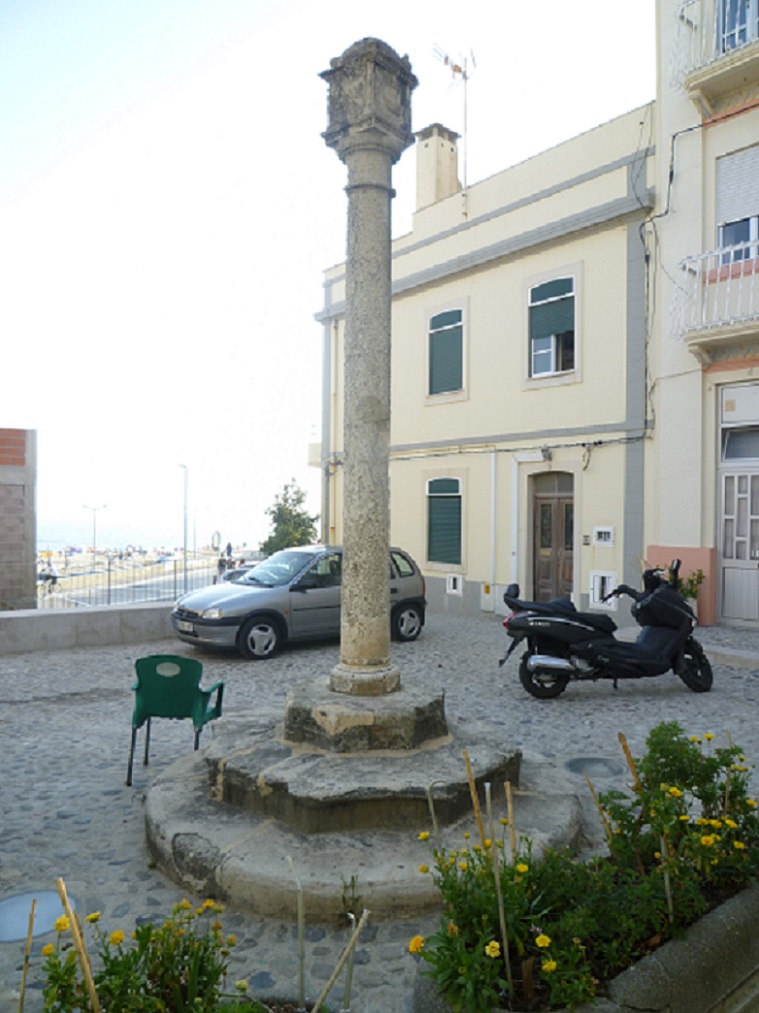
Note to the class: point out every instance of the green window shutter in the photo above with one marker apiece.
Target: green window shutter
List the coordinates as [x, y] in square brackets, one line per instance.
[446, 352]
[549, 318]
[446, 360]
[444, 529]
[443, 487]
[552, 290]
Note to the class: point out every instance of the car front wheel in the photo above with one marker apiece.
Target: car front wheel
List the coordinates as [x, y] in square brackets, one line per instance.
[258, 638]
[406, 622]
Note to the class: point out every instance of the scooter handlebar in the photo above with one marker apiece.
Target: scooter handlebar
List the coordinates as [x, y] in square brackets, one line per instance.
[623, 589]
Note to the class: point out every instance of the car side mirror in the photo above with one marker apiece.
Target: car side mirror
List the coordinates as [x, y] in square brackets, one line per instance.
[306, 583]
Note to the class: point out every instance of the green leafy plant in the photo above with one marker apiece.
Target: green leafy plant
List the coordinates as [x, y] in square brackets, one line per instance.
[689, 587]
[681, 840]
[178, 966]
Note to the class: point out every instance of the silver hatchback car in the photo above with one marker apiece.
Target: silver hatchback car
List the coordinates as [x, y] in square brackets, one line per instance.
[292, 595]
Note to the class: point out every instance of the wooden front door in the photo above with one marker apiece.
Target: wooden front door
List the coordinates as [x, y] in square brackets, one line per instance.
[553, 541]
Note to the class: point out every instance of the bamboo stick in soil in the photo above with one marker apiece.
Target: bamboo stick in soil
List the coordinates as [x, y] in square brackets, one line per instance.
[81, 949]
[27, 950]
[475, 797]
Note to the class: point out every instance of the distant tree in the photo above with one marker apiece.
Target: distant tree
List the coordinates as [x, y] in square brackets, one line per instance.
[290, 523]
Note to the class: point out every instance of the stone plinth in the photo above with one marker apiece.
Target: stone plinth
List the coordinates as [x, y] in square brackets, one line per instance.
[331, 721]
[318, 791]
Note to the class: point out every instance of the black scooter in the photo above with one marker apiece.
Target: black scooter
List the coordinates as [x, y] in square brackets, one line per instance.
[564, 644]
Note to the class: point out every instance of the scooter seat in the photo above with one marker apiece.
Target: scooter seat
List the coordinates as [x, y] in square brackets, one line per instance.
[599, 621]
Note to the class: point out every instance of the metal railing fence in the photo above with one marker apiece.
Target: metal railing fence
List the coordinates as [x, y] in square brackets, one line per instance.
[719, 290]
[78, 582]
[710, 29]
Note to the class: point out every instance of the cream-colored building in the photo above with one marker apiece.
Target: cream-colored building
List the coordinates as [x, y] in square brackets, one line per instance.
[702, 488]
[518, 408]
[575, 378]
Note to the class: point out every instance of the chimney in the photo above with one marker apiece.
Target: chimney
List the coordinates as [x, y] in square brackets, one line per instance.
[437, 165]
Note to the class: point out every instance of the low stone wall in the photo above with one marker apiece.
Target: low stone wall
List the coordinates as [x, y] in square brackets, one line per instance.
[714, 968]
[22, 631]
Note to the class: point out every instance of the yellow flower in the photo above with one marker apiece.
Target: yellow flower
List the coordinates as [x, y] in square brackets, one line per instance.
[241, 985]
[61, 924]
[739, 845]
[488, 842]
[467, 835]
[116, 938]
[685, 818]
[48, 950]
[424, 868]
[184, 905]
[424, 835]
[701, 822]
[730, 823]
[715, 823]
[543, 941]
[522, 868]
[695, 738]
[549, 966]
[493, 949]
[453, 929]
[232, 940]
[751, 802]
[675, 793]
[709, 736]
[216, 926]
[416, 944]
[708, 840]
[209, 903]
[463, 866]
[504, 821]
[94, 917]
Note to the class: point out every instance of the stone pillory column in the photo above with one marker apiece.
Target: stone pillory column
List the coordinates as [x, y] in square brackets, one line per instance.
[369, 127]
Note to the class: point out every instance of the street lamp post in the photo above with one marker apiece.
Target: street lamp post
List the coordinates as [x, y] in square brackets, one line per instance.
[184, 543]
[94, 530]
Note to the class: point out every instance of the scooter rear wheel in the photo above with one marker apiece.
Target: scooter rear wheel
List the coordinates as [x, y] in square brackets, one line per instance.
[542, 684]
[696, 672]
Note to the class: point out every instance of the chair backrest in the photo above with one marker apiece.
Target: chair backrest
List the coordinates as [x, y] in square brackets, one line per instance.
[168, 686]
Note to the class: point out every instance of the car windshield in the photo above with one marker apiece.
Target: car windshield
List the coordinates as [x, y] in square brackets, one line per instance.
[278, 569]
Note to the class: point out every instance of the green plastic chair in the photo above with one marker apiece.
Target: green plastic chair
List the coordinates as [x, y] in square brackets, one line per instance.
[168, 686]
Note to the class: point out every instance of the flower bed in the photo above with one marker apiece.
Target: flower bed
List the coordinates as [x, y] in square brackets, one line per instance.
[551, 934]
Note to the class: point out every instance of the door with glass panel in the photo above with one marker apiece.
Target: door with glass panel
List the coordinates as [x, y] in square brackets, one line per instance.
[739, 547]
[553, 536]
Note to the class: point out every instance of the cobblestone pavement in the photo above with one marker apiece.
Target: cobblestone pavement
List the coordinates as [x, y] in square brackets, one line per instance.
[65, 719]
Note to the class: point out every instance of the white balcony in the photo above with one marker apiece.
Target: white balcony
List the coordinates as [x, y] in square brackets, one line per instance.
[717, 303]
[717, 49]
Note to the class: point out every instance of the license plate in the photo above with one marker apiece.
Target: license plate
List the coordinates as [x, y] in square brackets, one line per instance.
[184, 626]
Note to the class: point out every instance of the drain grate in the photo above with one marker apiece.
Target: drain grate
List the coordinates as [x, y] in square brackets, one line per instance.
[14, 914]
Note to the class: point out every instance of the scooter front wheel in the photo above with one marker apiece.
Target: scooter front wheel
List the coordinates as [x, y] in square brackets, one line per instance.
[696, 672]
[542, 684]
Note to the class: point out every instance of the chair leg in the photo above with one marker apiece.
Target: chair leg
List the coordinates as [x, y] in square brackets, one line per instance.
[197, 738]
[147, 742]
[131, 757]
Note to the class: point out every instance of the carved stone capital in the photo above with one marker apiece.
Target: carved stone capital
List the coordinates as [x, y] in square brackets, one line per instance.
[369, 104]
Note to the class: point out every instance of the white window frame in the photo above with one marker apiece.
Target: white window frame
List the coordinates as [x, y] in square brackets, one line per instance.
[553, 371]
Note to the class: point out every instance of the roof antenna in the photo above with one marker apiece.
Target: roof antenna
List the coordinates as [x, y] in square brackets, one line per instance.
[461, 70]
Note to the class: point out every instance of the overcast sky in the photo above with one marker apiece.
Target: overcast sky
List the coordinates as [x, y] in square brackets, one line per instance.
[167, 206]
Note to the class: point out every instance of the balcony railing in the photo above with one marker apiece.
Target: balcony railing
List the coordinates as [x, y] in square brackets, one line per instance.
[717, 46]
[718, 300]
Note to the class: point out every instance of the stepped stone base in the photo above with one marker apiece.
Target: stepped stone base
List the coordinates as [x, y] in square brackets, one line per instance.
[222, 850]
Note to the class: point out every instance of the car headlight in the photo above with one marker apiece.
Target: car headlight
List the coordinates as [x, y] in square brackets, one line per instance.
[212, 613]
